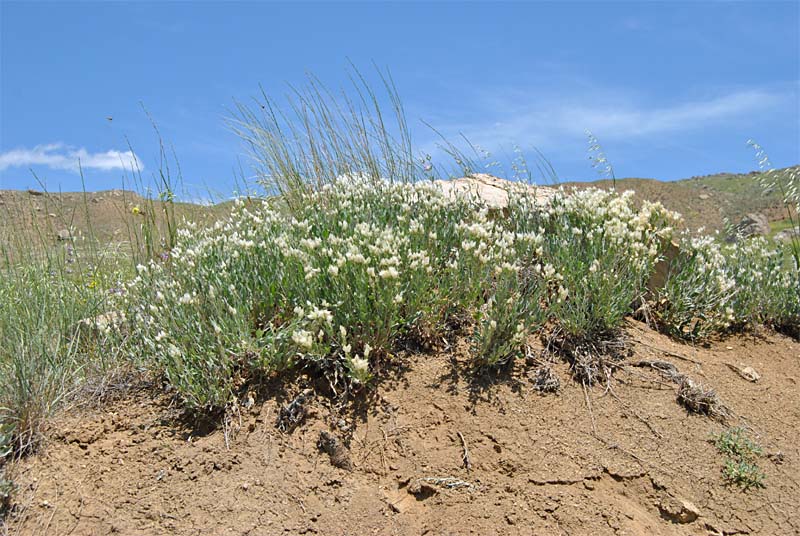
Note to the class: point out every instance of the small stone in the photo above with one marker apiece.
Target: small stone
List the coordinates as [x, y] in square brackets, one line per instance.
[749, 374]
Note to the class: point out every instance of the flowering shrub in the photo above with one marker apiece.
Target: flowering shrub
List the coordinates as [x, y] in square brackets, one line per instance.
[334, 284]
[696, 298]
[601, 251]
[717, 287]
[767, 285]
[330, 287]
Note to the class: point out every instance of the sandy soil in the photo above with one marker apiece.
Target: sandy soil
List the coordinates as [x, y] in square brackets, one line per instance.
[635, 463]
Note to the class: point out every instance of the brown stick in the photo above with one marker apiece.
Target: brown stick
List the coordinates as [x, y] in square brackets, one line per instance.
[465, 456]
[668, 352]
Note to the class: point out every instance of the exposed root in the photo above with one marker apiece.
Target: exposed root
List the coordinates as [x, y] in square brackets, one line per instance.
[700, 399]
[591, 360]
[465, 454]
[545, 380]
[447, 482]
[290, 416]
[589, 406]
[665, 368]
[692, 395]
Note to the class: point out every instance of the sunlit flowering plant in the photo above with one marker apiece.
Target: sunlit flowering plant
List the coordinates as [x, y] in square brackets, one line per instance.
[714, 287]
[335, 283]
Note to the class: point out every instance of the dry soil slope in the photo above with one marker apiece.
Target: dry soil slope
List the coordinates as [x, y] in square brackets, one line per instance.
[540, 464]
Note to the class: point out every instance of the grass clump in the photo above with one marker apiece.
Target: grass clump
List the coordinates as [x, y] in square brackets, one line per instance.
[45, 351]
[6, 484]
[741, 454]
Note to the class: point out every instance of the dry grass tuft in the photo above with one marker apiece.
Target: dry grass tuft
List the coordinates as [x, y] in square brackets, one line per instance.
[700, 399]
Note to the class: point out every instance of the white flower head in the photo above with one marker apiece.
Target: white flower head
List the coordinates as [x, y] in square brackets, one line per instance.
[303, 339]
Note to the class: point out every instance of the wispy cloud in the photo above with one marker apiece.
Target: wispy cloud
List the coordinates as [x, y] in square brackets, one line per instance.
[635, 122]
[64, 157]
[506, 118]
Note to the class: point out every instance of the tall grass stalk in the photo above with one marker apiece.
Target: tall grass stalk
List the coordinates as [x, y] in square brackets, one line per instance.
[317, 137]
[787, 183]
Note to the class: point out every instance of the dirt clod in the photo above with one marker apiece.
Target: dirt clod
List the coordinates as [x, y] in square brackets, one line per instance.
[333, 447]
[678, 510]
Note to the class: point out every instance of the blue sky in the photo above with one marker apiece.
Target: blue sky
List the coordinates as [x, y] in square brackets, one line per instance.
[671, 89]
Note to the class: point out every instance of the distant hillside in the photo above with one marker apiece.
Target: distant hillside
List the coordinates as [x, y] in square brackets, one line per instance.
[706, 201]
[31, 219]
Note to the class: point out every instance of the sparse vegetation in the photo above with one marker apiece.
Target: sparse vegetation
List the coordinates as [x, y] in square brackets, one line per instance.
[741, 454]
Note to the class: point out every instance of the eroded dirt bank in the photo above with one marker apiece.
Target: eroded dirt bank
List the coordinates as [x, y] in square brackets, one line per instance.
[636, 463]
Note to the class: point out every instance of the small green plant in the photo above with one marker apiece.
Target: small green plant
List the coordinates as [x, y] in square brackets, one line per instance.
[511, 313]
[741, 454]
[744, 474]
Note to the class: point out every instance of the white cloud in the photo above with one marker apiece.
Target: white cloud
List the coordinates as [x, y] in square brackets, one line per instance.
[552, 119]
[625, 122]
[64, 157]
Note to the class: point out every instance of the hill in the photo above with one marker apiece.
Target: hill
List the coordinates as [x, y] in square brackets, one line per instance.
[706, 201]
[33, 222]
[32, 219]
[390, 360]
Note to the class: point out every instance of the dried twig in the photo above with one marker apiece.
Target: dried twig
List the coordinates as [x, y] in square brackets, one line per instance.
[669, 353]
[447, 482]
[292, 415]
[589, 405]
[465, 455]
[229, 428]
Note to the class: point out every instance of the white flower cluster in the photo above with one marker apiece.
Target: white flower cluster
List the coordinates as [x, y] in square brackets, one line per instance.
[375, 258]
[718, 286]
